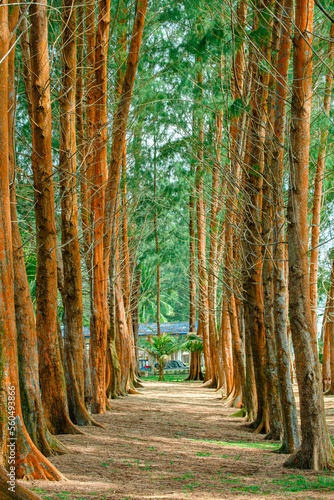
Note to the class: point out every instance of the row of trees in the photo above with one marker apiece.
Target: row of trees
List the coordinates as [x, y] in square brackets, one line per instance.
[56, 388]
[130, 183]
[261, 254]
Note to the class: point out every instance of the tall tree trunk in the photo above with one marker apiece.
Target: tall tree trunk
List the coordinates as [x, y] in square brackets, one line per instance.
[319, 175]
[203, 312]
[99, 313]
[232, 207]
[157, 249]
[253, 284]
[330, 332]
[193, 373]
[275, 414]
[316, 451]
[73, 348]
[213, 253]
[326, 365]
[226, 347]
[80, 127]
[29, 463]
[50, 368]
[31, 402]
[135, 297]
[120, 125]
[192, 259]
[288, 403]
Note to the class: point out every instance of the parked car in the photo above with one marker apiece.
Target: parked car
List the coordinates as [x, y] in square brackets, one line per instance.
[172, 365]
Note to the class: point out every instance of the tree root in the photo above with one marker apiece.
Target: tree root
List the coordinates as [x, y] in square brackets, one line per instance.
[263, 427]
[210, 384]
[20, 492]
[272, 436]
[133, 391]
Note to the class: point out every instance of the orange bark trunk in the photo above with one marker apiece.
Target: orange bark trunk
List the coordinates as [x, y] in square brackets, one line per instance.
[16, 447]
[17, 492]
[317, 196]
[329, 333]
[31, 401]
[316, 451]
[192, 263]
[288, 404]
[120, 125]
[72, 296]
[99, 318]
[50, 368]
[253, 283]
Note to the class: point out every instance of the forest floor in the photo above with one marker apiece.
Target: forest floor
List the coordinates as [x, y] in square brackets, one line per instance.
[176, 441]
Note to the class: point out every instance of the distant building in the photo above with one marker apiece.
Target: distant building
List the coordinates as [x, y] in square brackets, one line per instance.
[150, 329]
[174, 329]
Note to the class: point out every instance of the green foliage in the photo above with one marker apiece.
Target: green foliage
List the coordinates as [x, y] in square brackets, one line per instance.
[194, 343]
[161, 347]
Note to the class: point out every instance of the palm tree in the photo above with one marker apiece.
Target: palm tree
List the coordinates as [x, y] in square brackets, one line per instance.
[161, 348]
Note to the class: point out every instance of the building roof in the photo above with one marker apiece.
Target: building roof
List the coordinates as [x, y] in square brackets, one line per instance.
[151, 329]
[171, 328]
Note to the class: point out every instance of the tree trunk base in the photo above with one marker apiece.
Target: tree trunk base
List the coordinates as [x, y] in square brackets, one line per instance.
[263, 428]
[273, 436]
[133, 391]
[19, 493]
[302, 459]
[210, 384]
[284, 450]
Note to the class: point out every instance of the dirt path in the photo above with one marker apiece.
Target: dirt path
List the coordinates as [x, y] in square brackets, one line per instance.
[171, 443]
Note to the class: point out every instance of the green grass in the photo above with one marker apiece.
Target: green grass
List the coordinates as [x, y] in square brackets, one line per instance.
[241, 444]
[301, 483]
[168, 378]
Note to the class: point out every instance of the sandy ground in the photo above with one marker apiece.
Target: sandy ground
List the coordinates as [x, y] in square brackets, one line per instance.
[176, 441]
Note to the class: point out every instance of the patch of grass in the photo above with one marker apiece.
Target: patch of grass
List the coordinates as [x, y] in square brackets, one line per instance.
[300, 483]
[251, 489]
[190, 486]
[235, 480]
[183, 478]
[199, 454]
[240, 413]
[240, 444]
[168, 378]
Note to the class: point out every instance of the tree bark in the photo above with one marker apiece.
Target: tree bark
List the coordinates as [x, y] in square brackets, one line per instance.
[316, 451]
[99, 313]
[28, 462]
[120, 124]
[275, 413]
[288, 403]
[73, 338]
[50, 368]
[330, 333]
[31, 402]
[18, 492]
[317, 195]
[254, 183]
[156, 235]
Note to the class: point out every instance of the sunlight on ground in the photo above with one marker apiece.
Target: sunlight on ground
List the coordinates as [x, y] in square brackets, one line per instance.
[176, 441]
